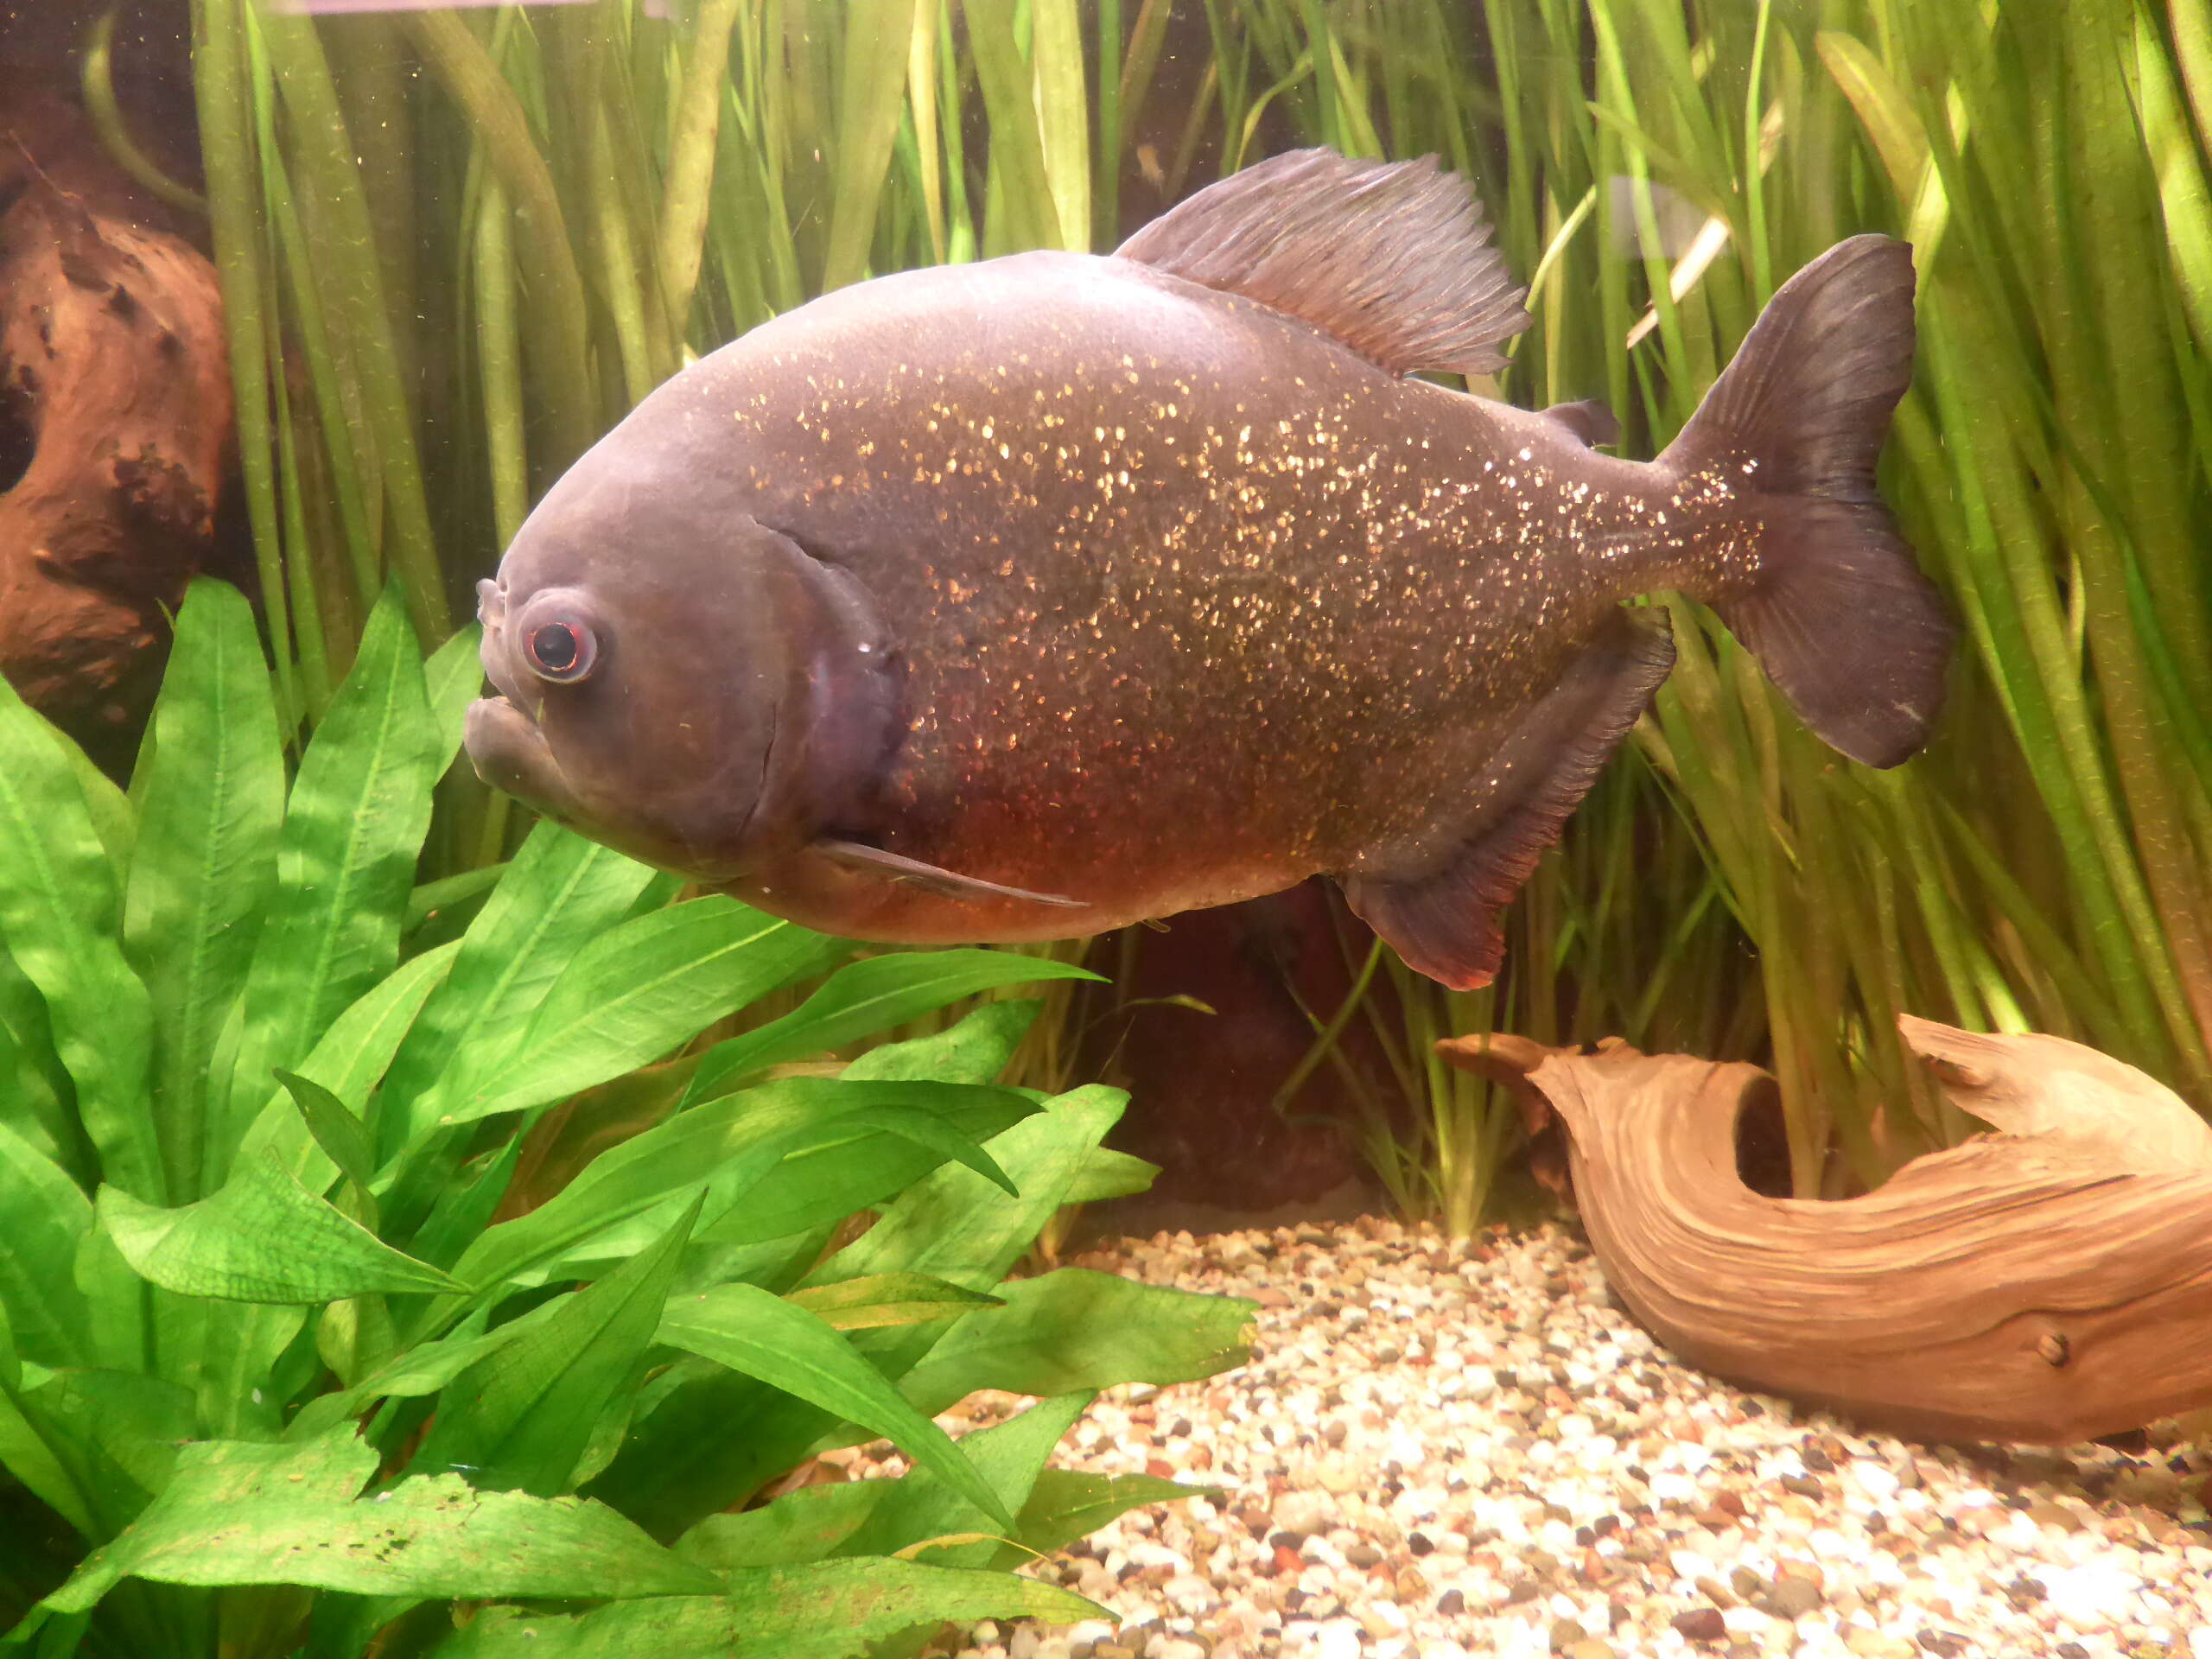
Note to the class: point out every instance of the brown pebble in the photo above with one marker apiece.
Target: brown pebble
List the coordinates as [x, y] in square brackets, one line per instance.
[1700, 1624]
[2055, 1515]
[1716, 1593]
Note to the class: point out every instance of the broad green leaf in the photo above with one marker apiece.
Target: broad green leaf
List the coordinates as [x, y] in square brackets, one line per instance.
[452, 676]
[832, 1610]
[114, 818]
[765, 1337]
[872, 1153]
[1111, 1174]
[888, 1299]
[631, 996]
[1077, 1329]
[211, 797]
[39, 1100]
[337, 1128]
[24, 1453]
[116, 1433]
[424, 1368]
[864, 997]
[1069, 1504]
[919, 1507]
[726, 1146]
[560, 893]
[521, 1417]
[345, 865]
[806, 1525]
[347, 1061]
[975, 1050]
[260, 1237]
[237, 1512]
[58, 910]
[44, 1217]
[956, 1225]
[683, 1461]
[432, 898]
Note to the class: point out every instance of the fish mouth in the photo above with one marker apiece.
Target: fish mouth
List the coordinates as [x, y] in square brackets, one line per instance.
[509, 752]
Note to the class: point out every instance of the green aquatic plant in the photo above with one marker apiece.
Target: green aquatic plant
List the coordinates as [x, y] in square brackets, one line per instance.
[317, 1327]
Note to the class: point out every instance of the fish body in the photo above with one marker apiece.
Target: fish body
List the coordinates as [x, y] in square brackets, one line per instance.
[1053, 593]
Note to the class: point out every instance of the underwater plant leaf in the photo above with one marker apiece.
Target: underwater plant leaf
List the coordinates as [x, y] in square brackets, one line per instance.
[888, 1299]
[38, 1102]
[1068, 1505]
[805, 1525]
[726, 1145]
[44, 1217]
[24, 1453]
[632, 995]
[337, 1128]
[855, 1157]
[452, 674]
[712, 1439]
[768, 1338]
[954, 1225]
[974, 1050]
[238, 1512]
[559, 893]
[521, 1417]
[1111, 1174]
[59, 902]
[1073, 1328]
[828, 1610]
[864, 997]
[211, 797]
[345, 865]
[875, 1153]
[1008, 1457]
[422, 1368]
[260, 1237]
[114, 1433]
[432, 899]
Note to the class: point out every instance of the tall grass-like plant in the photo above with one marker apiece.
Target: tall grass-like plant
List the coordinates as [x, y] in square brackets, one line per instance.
[316, 1333]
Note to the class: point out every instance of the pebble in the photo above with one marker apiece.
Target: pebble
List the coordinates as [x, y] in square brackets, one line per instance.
[1440, 1449]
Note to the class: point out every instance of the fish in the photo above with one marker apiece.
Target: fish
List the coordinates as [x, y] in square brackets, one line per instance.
[1040, 595]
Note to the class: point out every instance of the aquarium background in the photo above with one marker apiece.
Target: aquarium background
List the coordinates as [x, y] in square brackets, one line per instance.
[458, 243]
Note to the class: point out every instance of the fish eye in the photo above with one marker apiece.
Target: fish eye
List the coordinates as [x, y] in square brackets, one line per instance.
[561, 651]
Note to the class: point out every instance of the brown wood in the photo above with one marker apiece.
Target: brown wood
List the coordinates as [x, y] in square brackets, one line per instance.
[115, 402]
[2050, 1285]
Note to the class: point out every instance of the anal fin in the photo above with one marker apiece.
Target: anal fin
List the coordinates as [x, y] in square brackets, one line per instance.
[874, 860]
[1589, 420]
[1442, 913]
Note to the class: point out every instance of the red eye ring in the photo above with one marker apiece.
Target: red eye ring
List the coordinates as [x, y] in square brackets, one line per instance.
[562, 652]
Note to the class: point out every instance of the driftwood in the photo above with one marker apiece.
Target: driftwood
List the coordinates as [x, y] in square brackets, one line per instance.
[2051, 1283]
[115, 417]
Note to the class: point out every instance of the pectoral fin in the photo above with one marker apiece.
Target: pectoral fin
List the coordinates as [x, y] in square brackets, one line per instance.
[1440, 904]
[876, 862]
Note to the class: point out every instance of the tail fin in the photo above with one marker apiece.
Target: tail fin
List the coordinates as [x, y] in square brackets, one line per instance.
[1841, 620]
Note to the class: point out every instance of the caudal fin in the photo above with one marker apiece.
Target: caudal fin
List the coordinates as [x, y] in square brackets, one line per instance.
[1842, 618]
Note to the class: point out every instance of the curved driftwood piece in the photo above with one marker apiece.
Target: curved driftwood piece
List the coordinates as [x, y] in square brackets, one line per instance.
[2051, 1284]
[115, 405]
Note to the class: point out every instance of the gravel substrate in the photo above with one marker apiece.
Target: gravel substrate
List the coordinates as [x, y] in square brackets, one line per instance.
[1445, 1449]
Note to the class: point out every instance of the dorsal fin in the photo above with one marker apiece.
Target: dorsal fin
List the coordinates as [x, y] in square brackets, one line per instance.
[1387, 256]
